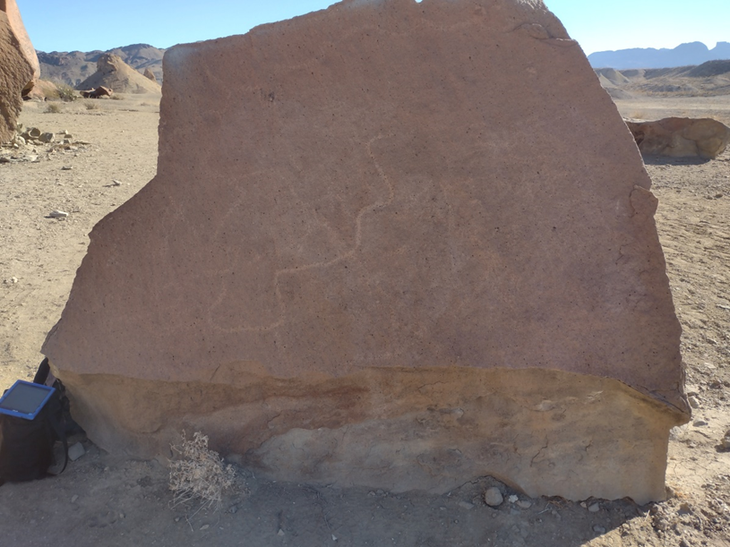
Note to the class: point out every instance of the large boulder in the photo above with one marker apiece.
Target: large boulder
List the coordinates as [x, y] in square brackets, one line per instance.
[113, 73]
[408, 244]
[681, 137]
[19, 68]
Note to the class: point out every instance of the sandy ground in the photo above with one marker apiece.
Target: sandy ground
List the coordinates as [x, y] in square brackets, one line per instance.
[102, 499]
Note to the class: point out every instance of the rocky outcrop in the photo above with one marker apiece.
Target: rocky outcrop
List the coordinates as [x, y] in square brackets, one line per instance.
[18, 67]
[115, 74]
[370, 261]
[681, 137]
[74, 67]
[150, 75]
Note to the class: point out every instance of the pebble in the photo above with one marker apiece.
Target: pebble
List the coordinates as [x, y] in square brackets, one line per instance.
[699, 423]
[693, 401]
[466, 505]
[280, 532]
[66, 168]
[10, 281]
[512, 498]
[76, 451]
[116, 182]
[594, 508]
[74, 498]
[493, 497]
[58, 214]
[725, 443]
[205, 526]
[524, 504]
[599, 529]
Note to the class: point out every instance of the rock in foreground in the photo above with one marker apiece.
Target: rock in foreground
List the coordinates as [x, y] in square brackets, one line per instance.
[407, 244]
[19, 67]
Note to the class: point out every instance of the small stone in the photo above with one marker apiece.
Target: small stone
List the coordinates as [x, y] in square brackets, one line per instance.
[47, 137]
[699, 423]
[334, 537]
[76, 451]
[116, 182]
[594, 508]
[74, 498]
[58, 214]
[693, 402]
[233, 509]
[493, 497]
[524, 504]
[11, 281]
[466, 505]
[280, 532]
[599, 529]
[205, 527]
[725, 443]
[66, 168]
[513, 498]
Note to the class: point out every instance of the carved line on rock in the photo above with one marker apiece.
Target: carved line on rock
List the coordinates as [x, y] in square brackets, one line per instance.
[299, 269]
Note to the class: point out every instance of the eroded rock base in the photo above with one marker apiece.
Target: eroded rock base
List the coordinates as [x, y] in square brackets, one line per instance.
[546, 432]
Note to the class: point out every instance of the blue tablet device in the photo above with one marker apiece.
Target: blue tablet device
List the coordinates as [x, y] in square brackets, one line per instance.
[25, 399]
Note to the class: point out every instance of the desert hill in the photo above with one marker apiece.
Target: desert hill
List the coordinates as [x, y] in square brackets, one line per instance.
[709, 79]
[693, 53]
[74, 67]
[115, 74]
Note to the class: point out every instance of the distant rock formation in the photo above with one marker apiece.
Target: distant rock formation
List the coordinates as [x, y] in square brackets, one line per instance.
[681, 137]
[18, 67]
[693, 53]
[353, 273]
[149, 75]
[706, 80]
[115, 74]
[74, 67]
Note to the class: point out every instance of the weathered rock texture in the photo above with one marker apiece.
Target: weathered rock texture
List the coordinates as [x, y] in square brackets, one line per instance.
[118, 76]
[18, 67]
[406, 245]
[681, 137]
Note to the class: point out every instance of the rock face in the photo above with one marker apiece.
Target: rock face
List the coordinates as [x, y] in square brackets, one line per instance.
[115, 74]
[407, 245]
[19, 67]
[681, 137]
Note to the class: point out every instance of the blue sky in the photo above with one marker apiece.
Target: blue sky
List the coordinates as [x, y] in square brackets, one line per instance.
[67, 25]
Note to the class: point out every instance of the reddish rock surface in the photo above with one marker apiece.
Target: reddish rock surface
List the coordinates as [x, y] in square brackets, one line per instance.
[681, 137]
[19, 67]
[387, 224]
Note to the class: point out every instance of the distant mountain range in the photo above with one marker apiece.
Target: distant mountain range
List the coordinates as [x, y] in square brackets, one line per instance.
[75, 67]
[694, 53]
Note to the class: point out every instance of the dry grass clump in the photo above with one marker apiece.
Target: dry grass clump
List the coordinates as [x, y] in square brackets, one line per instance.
[53, 108]
[67, 93]
[200, 474]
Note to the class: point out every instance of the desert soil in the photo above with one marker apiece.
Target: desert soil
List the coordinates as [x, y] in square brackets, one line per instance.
[105, 499]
